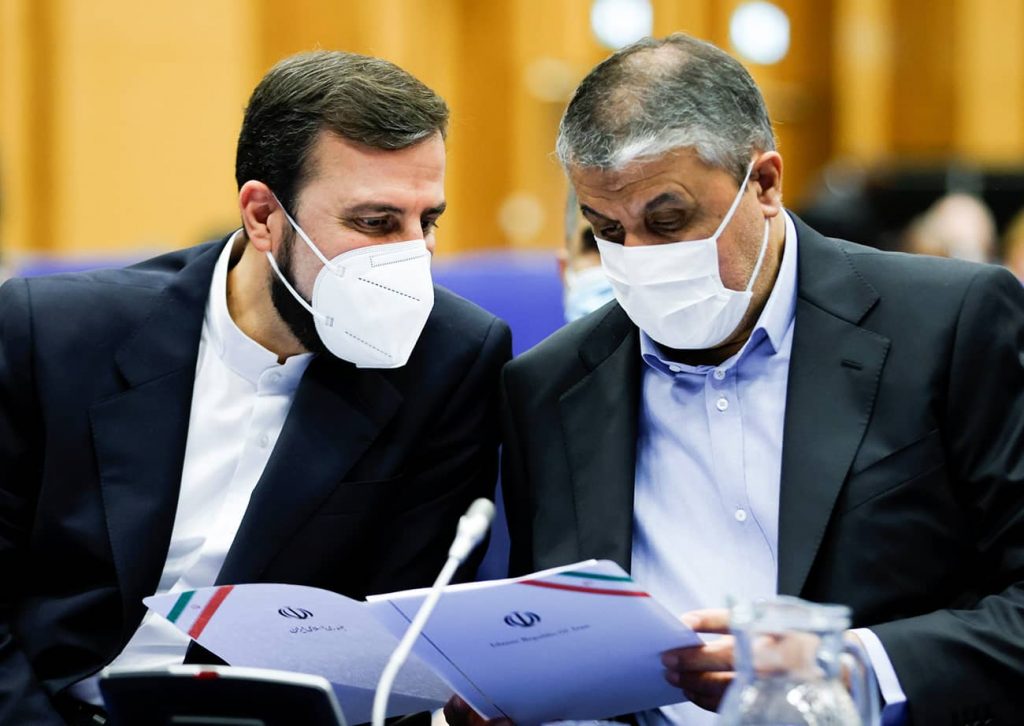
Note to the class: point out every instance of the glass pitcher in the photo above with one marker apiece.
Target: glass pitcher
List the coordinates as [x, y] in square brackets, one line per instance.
[795, 668]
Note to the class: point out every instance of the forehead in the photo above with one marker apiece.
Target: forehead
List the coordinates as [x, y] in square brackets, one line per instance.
[358, 174]
[679, 172]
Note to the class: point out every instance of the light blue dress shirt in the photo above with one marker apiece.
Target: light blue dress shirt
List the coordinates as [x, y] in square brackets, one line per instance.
[708, 470]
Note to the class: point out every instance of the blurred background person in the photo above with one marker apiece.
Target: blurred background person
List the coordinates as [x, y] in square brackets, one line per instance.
[958, 225]
[1013, 246]
[579, 265]
[3, 260]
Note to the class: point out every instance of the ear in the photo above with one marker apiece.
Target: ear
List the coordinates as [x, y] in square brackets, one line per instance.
[562, 258]
[258, 206]
[768, 175]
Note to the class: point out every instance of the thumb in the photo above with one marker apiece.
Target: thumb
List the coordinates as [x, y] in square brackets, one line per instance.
[707, 621]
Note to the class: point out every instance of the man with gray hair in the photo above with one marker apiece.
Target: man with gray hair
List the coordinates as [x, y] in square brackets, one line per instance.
[769, 411]
[294, 403]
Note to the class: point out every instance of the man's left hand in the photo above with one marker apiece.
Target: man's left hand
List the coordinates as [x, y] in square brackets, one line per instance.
[703, 671]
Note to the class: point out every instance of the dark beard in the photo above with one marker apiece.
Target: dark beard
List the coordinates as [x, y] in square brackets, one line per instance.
[296, 317]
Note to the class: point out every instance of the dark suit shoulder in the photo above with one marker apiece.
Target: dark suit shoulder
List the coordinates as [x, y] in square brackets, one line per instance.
[456, 318]
[901, 273]
[153, 273]
[458, 331]
[94, 306]
[458, 336]
[566, 355]
[933, 291]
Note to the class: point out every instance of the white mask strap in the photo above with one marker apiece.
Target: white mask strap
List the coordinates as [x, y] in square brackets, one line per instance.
[732, 209]
[305, 237]
[327, 320]
[760, 257]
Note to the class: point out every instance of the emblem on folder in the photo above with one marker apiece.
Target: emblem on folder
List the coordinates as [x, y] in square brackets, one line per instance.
[522, 620]
[299, 613]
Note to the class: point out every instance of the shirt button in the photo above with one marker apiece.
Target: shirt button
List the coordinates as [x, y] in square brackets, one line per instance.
[719, 374]
[741, 515]
[274, 377]
[721, 404]
[674, 369]
[264, 441]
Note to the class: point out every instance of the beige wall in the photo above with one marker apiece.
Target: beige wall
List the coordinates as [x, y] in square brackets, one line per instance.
[118, 119]
[119, 123]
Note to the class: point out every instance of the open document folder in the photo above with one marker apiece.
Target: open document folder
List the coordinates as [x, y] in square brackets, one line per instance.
[304, 630]
[575, 642]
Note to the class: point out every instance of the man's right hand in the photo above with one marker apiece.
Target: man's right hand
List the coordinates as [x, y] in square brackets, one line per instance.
[459, 713]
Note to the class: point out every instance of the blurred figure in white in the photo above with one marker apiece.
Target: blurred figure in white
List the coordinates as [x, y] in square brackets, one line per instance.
[958, 225]
[579, 264]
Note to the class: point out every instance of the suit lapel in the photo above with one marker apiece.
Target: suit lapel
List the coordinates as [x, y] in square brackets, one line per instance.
[337, 413]
[139, 434]
[833, 380]
[599, 423]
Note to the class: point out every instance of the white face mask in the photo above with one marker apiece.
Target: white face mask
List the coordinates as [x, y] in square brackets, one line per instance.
[585, 291]
[674, 292]
[369, 304]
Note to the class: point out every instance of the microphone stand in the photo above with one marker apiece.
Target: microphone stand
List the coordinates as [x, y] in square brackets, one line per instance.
[473, 525]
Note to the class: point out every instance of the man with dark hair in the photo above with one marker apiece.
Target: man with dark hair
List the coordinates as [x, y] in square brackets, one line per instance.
[769, 411]
[296, 403]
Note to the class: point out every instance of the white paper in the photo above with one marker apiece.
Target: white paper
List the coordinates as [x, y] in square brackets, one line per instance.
[573, 643]
[305, 630]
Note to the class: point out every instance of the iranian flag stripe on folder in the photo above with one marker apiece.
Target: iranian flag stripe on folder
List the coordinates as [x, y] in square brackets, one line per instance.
[191, 608]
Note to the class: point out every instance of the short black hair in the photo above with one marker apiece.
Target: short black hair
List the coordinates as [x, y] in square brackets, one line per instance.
[367, 100]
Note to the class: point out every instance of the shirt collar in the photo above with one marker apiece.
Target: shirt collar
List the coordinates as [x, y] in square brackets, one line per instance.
[772, 324]
[237, 350]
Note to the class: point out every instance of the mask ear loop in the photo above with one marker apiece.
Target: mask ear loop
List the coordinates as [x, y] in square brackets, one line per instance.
[735, 202]
[307, 240]
[325, 319]
[760, 258]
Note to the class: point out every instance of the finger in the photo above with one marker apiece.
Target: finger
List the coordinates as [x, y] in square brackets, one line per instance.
[705, 690]
[714, 656]
[456, 712]
[714, 620]
[709, 685]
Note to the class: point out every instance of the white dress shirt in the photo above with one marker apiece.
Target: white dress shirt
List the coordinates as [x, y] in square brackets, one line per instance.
[240, 399]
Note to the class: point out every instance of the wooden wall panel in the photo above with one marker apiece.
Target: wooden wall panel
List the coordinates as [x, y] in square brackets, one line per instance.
[17, 86]
[924, 70]
[989, 78]
[149, 97]
[118, 120]
[862, 78]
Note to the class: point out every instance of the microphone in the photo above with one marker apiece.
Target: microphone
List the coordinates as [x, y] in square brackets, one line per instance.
[472, 527]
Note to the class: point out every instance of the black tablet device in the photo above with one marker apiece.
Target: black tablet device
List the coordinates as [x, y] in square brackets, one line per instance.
[193, 695]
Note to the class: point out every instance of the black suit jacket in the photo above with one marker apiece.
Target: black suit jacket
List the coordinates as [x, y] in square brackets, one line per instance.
[902, 491]
[361, 494]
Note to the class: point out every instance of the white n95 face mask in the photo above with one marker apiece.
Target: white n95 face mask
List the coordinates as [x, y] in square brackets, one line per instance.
[674, 292]
[369, 304]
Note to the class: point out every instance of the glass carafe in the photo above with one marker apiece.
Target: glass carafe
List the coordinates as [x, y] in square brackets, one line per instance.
[794, 667]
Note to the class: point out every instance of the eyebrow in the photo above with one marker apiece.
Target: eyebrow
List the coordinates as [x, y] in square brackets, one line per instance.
[666, 198]
[375, 208]
[587, 210]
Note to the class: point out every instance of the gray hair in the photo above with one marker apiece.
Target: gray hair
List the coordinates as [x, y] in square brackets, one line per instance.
[658, 95]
